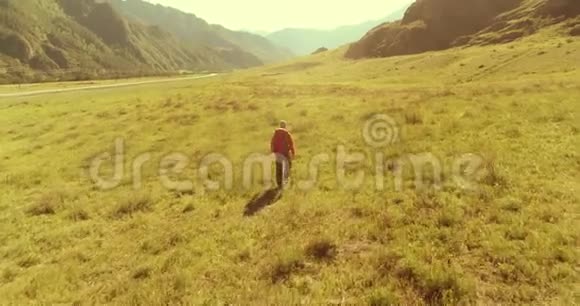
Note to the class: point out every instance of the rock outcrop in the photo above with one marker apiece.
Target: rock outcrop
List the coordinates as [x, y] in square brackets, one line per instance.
[320, 50]
[430, 25]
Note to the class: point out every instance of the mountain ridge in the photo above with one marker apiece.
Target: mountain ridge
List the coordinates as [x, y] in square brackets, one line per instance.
[303, 41]
[44, 40]
[430, 25]
[193, 30]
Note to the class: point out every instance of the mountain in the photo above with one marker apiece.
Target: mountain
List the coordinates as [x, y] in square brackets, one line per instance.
[441, 24]
[258, 45]
[83, 39]
[194, 31]
[43, 40]
[306, 41]
[257, 32]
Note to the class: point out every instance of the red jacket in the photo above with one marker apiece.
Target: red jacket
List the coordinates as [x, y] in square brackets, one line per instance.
[282, 143]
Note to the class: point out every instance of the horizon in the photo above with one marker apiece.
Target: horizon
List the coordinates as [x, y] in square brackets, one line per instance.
[308, 14]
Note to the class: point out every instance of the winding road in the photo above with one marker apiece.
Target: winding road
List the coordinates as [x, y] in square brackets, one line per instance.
[97, 87]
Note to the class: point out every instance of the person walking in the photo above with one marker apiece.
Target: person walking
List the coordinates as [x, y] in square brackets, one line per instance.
[282, 145]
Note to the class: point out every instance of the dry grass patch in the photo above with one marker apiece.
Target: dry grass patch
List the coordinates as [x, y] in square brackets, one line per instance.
[285, 266]
[413, 117]
[188, 208]
[28, 261]
[78, 214]
[137, 203]
[383, 297]
[46, 204]
[8, 275]
[492, 175]
[322, 249]
[142, 273]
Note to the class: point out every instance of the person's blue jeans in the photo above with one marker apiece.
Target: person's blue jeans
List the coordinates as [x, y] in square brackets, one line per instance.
[283, 168]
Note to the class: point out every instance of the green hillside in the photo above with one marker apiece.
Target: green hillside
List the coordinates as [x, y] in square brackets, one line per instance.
[263, 48]
[195, 31]
[43, 40]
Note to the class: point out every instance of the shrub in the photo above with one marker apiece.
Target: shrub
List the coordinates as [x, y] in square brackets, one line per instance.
[142, 273]
[253, 107]
[132, 205]
[563, 255]
[448, 218]
[28, 261]
[8, 275]
[492, 176]
[244, 255]
[510, 204]
[516, 233]
[78, 214]
[47, 204]
[387, 262]
[443, 287]
[42, 208]
[188, 208]
[428, 200]
[550, 215]
[434, 283]
[408, 271]
[165, 242]
[413, 118]
[285, 266]
[383, 297]
[323, 249]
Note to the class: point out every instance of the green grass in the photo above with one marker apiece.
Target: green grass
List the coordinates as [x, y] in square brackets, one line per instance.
[512, 241]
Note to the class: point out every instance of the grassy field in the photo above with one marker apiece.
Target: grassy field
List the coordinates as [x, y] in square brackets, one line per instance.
[512, 240]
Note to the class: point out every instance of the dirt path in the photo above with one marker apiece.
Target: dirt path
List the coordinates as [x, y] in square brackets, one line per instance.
[97, 87]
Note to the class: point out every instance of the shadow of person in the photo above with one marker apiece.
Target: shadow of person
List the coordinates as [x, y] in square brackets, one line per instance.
[262, 200]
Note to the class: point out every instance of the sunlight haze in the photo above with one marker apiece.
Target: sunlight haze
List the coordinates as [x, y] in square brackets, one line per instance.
[274, 15]
[281, 152]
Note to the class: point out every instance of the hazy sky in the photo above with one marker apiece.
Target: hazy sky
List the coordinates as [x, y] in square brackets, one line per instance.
[272, 15]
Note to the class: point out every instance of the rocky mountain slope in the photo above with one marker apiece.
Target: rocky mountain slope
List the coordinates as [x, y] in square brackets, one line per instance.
[440, 24]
